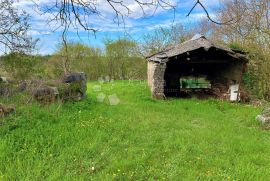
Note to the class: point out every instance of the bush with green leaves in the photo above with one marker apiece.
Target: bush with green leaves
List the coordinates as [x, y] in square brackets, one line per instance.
[21, 66]
[120, 60]
[124, 60]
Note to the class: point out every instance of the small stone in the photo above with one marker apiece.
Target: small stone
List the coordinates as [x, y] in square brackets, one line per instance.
[114, 100]
[101, 97]
[264, 118]
[101, 80]
[107, 78]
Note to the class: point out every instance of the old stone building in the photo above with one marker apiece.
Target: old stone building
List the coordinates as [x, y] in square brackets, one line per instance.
[221, 70]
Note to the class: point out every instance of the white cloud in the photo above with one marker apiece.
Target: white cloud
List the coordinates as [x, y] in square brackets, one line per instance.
[202, 15]
[130, 9]
[35, 32]
[105, 22]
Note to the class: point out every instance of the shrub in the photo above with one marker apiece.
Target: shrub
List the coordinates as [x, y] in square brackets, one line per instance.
[21, 66]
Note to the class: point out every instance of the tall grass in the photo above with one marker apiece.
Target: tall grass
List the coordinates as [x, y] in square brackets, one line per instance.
[137, 139]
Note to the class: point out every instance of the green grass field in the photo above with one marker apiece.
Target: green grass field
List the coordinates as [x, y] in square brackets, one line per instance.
[138, 139]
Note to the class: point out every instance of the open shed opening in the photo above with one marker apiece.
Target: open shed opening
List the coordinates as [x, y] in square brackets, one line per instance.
[200, 74]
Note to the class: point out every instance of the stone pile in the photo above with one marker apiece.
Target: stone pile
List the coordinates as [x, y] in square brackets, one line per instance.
[46, 94]
[71, 87]
[75, 86]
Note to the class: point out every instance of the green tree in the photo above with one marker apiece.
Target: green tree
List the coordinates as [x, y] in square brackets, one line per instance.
[81, 58]
[21, 66]
[124, 60]
[251, 33]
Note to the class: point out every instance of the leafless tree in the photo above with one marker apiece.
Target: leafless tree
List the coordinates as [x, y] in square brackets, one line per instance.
[254, 25]
[164, 37]
[14, 28]
[81, 13]
[200, 4]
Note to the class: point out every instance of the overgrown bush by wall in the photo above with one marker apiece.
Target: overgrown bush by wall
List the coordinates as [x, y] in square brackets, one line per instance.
[21, 66]
[258, 75]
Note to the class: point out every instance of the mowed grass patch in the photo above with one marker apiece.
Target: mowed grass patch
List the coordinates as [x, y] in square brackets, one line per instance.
[137, 139]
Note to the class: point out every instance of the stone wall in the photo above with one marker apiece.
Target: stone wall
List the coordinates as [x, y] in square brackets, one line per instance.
[156, 80]
[150, 73]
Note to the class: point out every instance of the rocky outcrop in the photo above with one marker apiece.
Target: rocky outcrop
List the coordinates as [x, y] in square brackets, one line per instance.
[71, 86]
[75, 86]
[46, 94]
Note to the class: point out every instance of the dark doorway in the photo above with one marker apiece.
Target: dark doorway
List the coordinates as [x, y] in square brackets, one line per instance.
[188, 79]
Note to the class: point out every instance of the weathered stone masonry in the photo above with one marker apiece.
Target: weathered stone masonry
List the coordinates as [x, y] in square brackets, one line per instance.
[156, 79]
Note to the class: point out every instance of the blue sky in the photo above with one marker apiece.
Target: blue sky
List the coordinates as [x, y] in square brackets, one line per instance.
[136, 23]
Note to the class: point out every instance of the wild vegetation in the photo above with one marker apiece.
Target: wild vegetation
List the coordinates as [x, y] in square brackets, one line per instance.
[118, 132]
[137, 139]
[121, 59]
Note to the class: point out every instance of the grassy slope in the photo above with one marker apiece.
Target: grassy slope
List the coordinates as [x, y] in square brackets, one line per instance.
[140, 138]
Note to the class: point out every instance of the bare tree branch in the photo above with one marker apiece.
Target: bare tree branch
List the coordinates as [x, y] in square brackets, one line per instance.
[208, 15]
[14, 29]
[80, 13]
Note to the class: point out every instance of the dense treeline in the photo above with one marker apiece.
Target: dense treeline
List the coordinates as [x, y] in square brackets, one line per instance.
[121, 59]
